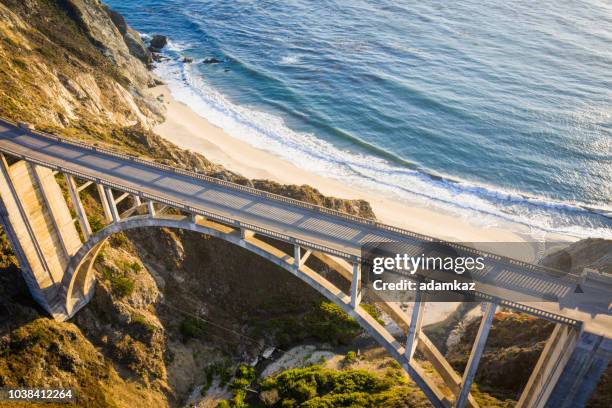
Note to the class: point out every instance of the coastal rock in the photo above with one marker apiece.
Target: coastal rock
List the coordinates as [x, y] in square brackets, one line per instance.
[187, 60]
[105, 28]
[132, 39]
[158, 42]
[118, 20]
[157, 57]
[212, 60]
[137, 47]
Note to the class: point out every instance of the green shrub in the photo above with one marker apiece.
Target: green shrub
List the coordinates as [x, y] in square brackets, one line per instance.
[288, 403]
[330, 323]
[21, 63]
[350, 357]
[246, 372]
[141, 321]
[107, 273]
[225, 375]
[372, 311]
[129, 266]
[192, 328]
[316, 386]
[119, 240]
[41, 335]
[95, 223]
[122, 286]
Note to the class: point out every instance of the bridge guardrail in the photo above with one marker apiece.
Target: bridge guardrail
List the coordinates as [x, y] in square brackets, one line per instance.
[287, 200]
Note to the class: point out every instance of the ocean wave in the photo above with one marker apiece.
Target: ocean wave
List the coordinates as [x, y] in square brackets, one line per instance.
[479, 202]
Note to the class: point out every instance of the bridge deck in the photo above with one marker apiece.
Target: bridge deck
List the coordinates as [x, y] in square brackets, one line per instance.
[283, 218]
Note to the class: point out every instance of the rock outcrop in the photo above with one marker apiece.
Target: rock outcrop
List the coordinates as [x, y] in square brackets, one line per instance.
[211, 60]
[131, 37]
[93, 19]
[158, 42]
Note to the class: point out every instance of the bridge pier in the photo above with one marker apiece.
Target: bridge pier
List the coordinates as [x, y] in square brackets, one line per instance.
[104, 202]
[477, 350]
[587, 362]
[78, 206]
[356, 285]
[568, 369]
[41, 230]
[112, 204]
[297, 255]
[151, 208]
[416, 321]
[10, 224]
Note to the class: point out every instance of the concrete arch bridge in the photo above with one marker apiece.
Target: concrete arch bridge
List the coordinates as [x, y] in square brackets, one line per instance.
[56, 257]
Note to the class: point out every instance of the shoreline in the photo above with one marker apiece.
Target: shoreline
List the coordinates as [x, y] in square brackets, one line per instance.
[188, 130]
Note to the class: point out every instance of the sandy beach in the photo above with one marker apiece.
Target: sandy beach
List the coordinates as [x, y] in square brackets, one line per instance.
[188, 130]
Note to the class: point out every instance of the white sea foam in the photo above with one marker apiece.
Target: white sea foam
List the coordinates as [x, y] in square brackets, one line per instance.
[480, 203]
[176, 45]
[290, 60]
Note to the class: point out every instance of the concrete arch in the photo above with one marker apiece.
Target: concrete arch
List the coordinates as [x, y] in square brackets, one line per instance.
[79, 272]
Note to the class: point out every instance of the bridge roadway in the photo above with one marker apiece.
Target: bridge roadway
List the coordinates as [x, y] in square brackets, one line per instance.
[516, 283]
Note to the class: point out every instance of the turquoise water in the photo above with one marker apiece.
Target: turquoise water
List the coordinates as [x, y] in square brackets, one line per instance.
[495, 112]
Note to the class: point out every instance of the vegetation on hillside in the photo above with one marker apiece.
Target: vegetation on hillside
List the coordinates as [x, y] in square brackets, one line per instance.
[321, 321]
[319, 387]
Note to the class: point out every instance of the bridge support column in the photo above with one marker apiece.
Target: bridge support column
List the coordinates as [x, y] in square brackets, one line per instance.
[104, 201]
[151, 208]
[584, 358]
[356, 285]
[137, 201]
[415, 324]
[78, 206]
[12, 235]
[298, 258]
[24, 220]
[48, 198]
[548, 368]
[112, 205]
[245, 233]
[297, 255]
[305, 257]
[477, 350]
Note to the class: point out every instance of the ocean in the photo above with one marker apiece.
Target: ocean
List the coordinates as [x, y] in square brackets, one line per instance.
[497, 111]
